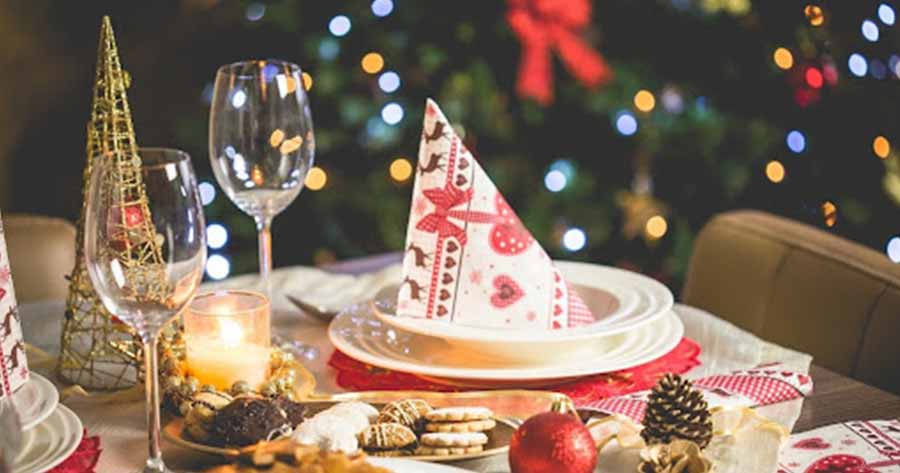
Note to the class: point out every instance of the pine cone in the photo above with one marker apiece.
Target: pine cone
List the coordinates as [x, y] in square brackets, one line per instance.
[676, 411]
[680, 456]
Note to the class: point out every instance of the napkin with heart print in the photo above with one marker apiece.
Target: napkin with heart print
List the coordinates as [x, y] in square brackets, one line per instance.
[853, 447]
[469, 260]
[13, 366]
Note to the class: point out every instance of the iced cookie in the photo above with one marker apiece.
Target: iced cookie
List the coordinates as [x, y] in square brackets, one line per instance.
[459, 414]
[454, 439]
[465, 426]
[426, 451]
[387, 437]
[408, 412]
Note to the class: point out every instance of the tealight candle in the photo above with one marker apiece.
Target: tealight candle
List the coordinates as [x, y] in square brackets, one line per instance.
[227, 336]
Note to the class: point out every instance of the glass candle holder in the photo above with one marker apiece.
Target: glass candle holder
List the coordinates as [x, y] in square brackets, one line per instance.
[227, 337]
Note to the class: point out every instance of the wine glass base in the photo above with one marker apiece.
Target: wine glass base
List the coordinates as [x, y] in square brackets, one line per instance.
[156, 466]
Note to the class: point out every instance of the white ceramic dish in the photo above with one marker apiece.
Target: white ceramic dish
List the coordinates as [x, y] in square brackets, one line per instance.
[50, 442]
[399, 465]
[35, 400]
[620, 301]
[360, 335]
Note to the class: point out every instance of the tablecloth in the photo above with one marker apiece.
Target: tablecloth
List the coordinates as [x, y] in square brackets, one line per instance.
[121, 426]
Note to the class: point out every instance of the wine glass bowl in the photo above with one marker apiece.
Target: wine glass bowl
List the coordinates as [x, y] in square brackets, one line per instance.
[261, 141]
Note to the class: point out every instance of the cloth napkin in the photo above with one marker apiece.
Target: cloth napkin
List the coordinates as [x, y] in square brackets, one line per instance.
[469, 260]
[84, 459]
[13, 366]
[849, 447]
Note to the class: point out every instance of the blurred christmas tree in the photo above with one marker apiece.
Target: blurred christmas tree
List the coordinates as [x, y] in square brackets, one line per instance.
[707, 105]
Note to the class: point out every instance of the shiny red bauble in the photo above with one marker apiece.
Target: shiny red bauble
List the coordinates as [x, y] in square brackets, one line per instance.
[552, 443]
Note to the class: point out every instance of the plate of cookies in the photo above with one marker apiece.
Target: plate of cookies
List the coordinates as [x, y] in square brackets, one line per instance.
[433, 427]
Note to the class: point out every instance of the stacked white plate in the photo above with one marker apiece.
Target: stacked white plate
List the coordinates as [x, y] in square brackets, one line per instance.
[634, 324]
[51, 430]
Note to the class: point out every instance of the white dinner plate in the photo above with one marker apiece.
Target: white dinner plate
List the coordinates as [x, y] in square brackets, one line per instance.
[620, 301]
[362, 336]
[35, 400]
[399, 465]
[50, 442]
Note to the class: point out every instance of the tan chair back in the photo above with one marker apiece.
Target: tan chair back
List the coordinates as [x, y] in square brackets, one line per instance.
[804, 288]
[41, 254]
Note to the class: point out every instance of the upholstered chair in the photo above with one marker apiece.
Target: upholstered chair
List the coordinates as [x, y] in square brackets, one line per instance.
[41, 254]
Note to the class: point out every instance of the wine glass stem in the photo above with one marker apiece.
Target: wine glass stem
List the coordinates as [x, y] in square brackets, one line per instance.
[151, 382]
[264, 227]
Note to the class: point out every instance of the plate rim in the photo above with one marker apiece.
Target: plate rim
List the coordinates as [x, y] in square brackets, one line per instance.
[434, 328]
[48, 387]
[499, 374]
[65, 414]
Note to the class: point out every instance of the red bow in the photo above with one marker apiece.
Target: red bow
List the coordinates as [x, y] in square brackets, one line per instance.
[545, 24]
[444, 201]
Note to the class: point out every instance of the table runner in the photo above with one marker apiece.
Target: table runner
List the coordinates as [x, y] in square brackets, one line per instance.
[726, 348]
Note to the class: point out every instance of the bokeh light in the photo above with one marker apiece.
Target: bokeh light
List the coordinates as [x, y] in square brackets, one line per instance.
[392, 113]
[216, 236]
[339, 25]
[877, 69]
[382, 8]
[796, 142]
[656, 226]
[372, 63]
[316, 178]
[858, 65]
[886, 14]
[644, 101]
[881, 146]
[870, 30]
[775, 171]
[626, 124]
[207, 192]
[255, 11]
[893, 249]
[814, 78]
[329, 48]
[783, 58]
[218, 267]
[389, 82]
[574, 239]
[401, 169]
[555, 181]
[672, 101]
[829, 213]
[238, 99]
[307, 81]
[814, 14]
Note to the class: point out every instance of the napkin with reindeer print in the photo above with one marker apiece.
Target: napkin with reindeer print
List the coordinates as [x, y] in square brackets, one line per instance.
[469, 260]
[13, 367]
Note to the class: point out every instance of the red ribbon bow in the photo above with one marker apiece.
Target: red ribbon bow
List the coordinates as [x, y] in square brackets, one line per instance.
[444, 201]
[545, 24]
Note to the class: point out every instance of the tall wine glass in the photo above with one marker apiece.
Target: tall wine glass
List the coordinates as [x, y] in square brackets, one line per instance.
[261, 141]
[146, 256]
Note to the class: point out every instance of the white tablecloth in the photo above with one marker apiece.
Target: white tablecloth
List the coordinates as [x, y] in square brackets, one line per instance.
[121, 426]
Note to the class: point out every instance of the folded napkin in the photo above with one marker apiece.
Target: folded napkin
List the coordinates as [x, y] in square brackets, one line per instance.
[13, 366]
[469, 260]
[761, 386]
[853, 447]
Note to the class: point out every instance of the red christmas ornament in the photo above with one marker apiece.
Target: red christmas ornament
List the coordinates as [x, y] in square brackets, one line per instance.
[552, 443]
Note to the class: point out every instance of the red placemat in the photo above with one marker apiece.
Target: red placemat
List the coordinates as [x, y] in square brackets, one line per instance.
[83, 459]
[358, 376]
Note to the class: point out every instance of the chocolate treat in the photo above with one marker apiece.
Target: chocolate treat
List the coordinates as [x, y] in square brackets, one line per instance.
[247, 420]
[295, 411]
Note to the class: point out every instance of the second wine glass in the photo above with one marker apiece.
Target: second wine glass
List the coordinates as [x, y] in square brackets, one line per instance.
[261, 141]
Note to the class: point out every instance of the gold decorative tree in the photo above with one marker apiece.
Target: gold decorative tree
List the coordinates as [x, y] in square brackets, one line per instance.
[98, 351]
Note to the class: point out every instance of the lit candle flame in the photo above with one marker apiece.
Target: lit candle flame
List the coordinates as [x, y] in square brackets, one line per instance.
[230, 332]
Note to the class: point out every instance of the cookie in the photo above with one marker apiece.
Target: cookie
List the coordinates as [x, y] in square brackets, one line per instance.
[459, 414]
[454, 439]
[329, 432]
[389, 436]
[408, 412]
[361, 408]
[426, 451]
[467, 426]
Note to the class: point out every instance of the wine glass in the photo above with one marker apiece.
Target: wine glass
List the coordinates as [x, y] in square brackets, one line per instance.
[145, 247]
[261, 141]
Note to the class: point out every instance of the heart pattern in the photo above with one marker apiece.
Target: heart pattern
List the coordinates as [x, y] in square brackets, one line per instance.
[840, 464]
[452, 246]
[444, 295]
[441, 311]
[812, 444]
[461, 180]
[508, 237]
[447, 279]
[507, 292]
[463, 163]
[449, 263]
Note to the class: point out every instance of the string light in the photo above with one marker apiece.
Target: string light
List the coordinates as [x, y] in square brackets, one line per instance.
[392, 113]
[881, 146]
[555, 181]
[218, 267]
[644, 101]
[656, 227]
[775, 171]
[783, 58]
[870, 30]
[238, 99]
[382, 8]
[626, 124]
[574, 239]
[886, 14]
[796, 141]
[829, 213]
[339, 25]
[255, 11]
[389, 82]
[893, 249]
[207, 193]
[372, 63]
[857, 64]
[814, 15]
[401, 169]
[316, 178]
[307, 81]
[814, 78]
[216, 236]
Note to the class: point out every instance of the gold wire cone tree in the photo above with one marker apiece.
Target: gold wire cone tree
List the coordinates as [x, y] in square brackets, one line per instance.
[99, 351]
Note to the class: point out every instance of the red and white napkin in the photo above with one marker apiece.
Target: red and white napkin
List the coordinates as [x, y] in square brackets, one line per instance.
[851, 447]
[13, 366]
[469, 260]
[761, 386]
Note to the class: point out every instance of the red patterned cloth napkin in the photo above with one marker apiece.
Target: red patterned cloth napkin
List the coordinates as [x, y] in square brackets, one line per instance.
[761, 386]
[84, 459]
[850, 447]
[357, 376]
